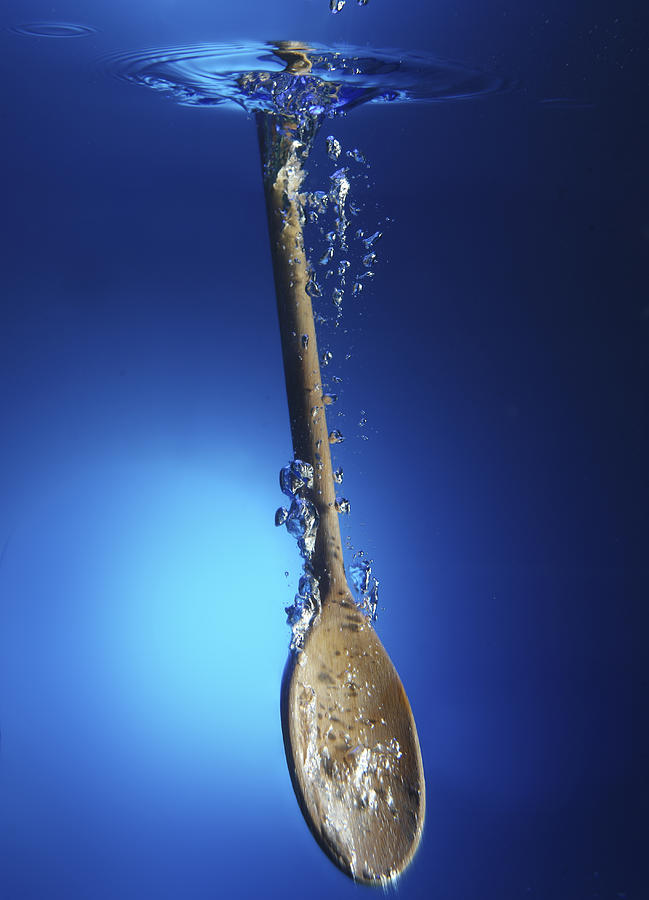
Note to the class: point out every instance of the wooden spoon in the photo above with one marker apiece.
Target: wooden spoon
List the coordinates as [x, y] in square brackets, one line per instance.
[349, 733]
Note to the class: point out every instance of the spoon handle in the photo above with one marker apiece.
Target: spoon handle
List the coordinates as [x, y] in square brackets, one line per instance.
[283, 145]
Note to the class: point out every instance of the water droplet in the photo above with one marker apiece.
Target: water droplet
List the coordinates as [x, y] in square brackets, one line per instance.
[326, 357]
[336, 437]
[343, 265]
[369, 259]
[358, 287]
[305, 341]
[333, 147]
[338, 475]
[336, 5]
[328, 399]
[337, 297]
[343, 506]
[327, 256]
[337, 379]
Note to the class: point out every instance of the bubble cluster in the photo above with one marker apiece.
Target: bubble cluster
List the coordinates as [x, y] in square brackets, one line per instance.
[333, 148]
[304, 608]
[301, 520]
[366, 584]
[343, 257]
[342, 260]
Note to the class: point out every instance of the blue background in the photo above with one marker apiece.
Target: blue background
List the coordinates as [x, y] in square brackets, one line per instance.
[501, 358]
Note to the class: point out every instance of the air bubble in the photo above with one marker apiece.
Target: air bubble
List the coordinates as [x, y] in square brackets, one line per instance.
[313, 288]
[305, 607]
[302, 522]
[343, 506]
[305, 341]
[295, 477]
[356, 155]
[336, 437]
[338, 475]
[372, 238]
[281, 516]
[326, 357]
[366, 585]
[333, 147]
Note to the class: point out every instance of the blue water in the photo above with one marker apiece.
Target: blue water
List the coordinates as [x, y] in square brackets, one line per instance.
[500, 361]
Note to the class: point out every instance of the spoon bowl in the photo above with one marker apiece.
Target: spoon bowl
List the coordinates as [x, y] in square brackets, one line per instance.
[351, 746]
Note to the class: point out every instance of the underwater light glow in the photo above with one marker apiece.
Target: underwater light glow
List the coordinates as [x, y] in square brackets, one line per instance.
[155, 631]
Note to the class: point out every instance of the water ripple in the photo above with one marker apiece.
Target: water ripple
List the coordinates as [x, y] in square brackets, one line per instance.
[312, 79]
[53, 29]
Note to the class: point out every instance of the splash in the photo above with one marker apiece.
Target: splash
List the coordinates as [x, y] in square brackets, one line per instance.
[255, 76]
